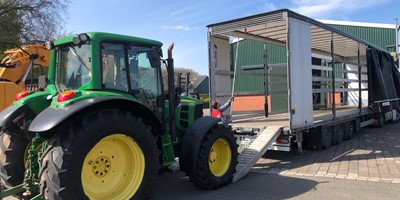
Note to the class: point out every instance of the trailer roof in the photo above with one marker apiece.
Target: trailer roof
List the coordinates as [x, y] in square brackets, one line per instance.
[271, 27]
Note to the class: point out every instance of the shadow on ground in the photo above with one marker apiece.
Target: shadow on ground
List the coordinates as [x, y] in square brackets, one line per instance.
[177, 186]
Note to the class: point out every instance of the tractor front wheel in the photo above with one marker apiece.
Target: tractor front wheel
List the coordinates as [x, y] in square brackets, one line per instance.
[108, 155]
[216, 160]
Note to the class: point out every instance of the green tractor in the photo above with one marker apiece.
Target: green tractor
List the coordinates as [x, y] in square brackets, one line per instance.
[104, 127]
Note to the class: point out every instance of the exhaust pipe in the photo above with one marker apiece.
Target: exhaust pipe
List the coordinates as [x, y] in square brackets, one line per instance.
[171, 92]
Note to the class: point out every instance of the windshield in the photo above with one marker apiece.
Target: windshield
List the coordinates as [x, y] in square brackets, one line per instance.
[142, 74]
[72, 66]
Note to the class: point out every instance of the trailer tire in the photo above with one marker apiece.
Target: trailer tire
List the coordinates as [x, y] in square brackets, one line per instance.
[381, 121]
[326, 137]
[339, 134]
[12, 163]
[349, 130]
[397, 119]
[216, 159]
[110, 154]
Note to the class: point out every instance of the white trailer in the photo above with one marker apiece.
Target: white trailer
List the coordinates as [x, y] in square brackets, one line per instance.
[326, 80]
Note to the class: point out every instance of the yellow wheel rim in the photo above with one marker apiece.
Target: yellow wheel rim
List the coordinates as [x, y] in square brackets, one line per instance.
[219, 158]
[26, 153]
[113, 169]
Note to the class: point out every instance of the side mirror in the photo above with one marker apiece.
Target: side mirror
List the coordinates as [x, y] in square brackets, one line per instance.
[154, 58]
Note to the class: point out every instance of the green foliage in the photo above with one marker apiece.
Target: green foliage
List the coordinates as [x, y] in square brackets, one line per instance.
[205, 98]
[177, 71]
[27, 20]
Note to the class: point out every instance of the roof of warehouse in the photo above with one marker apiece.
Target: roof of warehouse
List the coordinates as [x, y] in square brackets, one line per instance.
[271, 27]
[361, 24]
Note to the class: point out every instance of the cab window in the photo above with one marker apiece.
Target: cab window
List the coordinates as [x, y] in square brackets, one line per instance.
[113, 66]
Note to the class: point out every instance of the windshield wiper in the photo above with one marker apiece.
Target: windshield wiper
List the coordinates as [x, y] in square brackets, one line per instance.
[78, 56]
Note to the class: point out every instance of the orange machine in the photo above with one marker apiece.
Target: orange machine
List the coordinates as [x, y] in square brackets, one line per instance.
[15, 67]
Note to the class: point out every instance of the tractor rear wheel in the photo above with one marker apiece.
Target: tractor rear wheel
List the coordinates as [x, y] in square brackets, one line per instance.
[108, 155]
[216, 160]
[13, 149]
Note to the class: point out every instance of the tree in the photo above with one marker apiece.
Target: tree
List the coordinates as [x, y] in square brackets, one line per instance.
[26, 20]
[193, 74]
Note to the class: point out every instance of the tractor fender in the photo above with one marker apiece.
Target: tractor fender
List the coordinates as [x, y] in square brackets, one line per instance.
[11, 116]
[192, 141]
[52, 117]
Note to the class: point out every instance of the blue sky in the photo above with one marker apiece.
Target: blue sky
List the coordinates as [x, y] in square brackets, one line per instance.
[184, 22]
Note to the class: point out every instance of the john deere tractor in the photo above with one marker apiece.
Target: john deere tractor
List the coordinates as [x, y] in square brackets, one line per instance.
[104, 127]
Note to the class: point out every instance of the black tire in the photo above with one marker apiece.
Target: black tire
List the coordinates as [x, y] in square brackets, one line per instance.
[202, 176]
[381, 121]
[339, 134]
[397, 116]
[12, 164]
[64, 158]
[349, 130]
[326, 137]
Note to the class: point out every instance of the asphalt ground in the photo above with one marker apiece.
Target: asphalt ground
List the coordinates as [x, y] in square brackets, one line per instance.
[365, 167]
[257, 186]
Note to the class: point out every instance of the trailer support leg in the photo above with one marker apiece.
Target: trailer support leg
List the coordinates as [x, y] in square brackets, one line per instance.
[299, 139]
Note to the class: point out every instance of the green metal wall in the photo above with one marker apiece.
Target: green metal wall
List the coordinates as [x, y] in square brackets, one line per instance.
[252, 52]
[382, 37]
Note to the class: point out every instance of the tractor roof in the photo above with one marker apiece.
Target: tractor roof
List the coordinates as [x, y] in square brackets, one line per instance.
[111, 37]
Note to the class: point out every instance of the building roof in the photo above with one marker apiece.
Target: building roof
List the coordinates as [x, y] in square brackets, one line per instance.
[198, 80]
[362, 24]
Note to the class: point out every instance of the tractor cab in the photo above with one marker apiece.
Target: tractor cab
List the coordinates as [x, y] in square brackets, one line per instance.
[84, 64]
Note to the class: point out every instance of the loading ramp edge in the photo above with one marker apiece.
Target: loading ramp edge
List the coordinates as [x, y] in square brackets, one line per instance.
[250, 155]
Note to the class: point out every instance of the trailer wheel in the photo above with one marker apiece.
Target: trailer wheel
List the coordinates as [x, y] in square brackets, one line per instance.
[108, 155]
[13, 149]
[326, 137]
[397, 117]
[381, 121]
[217, 159]
[348, 134]
[339, 134]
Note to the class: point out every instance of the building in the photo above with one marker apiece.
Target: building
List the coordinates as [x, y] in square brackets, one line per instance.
[200, 84]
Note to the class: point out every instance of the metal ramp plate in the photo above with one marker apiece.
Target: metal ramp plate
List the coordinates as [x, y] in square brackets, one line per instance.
[250, 155]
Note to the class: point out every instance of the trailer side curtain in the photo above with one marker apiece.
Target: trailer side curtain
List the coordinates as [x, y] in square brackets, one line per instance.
[383, 80]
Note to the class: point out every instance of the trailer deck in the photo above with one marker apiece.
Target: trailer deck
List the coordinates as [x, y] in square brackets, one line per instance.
[258, 119]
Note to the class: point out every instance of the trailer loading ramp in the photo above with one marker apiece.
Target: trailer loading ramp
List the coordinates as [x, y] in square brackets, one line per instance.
[250, 155]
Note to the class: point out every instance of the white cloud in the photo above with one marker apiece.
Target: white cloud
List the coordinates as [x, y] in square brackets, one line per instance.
[331, 8]
[270, 6]
[180, 28]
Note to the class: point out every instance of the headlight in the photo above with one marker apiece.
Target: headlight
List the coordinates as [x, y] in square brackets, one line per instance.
[76, 40]
[49, 45]
[83, 37]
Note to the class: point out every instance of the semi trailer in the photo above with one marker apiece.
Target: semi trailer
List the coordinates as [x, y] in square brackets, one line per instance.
[318, 84]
